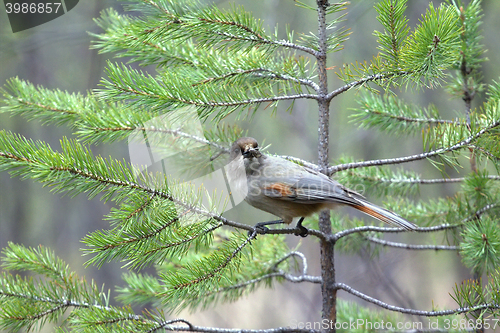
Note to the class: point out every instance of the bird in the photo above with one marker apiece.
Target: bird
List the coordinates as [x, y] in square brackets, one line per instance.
[289, 190]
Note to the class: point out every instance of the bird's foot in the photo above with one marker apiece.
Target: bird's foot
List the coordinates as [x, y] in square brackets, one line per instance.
[261, 228]
[303, 231]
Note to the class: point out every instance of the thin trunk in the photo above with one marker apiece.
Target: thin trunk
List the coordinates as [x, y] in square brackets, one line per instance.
[328, 291]
[468, 95]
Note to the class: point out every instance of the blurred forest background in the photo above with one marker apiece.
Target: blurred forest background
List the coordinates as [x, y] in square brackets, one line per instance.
[56, 55]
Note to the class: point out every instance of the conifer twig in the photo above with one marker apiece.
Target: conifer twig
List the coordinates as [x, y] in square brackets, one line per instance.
[445, 226]
[480, 212]
[65, 303]
[412, 246]
[301, 162]
[352, 291]
[204, 329]
[412, 158]
[370, 78]
[315, 167]
[304, 277]
[221, 266]
[484, 151]
[167, 324]
[46, 107]
[258, 38]
[204, 103]
[285, 231]
[435, 181]
[431, 121]
[366, 228]
[259, 72]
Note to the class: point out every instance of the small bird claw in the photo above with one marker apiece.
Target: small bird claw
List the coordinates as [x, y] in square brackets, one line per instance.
[302, 232]
[261, 229]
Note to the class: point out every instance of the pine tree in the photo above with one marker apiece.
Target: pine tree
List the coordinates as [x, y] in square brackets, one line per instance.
[211, 63]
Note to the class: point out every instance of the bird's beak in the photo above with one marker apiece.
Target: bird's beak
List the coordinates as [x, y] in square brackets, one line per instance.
[252, 152]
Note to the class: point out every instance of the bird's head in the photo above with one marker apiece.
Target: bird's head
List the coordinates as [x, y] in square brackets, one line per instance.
[246, 147]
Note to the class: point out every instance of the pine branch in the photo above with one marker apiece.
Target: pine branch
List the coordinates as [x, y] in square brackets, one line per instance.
[252, 265]
[168, 324]
[213, 27]
[437, 181]
[131, 92]
[112, 316]
[480, 212]
[300, 162]
[415, 157]
[85, 297]
[391, 115]
[49, 106]
[330, 37]
[291, 231]
[370, 78]
[347, 232]
[56, 305]
[487, 153]
[264, 73]
[391, 16]
[203, 329]
[199, 283]
[419, 58]
[175, 132]
[421, 181]
[257, 39]
[100, 175]
[411, 246]
[215, 272]
[352, 291]
[28, 302]
[381, 181]
[146, 246]
[243, 76]
[480, 245]
[361, 229]
[393, 180]
[467, 78]
[432, 47]
[304, 277]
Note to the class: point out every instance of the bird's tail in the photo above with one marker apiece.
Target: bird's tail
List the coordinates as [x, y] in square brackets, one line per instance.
[384, 215]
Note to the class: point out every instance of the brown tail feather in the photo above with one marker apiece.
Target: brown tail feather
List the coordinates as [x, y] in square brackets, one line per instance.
[385, 215]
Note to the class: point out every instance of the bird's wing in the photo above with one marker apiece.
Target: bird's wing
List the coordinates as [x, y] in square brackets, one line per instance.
[310, 190]
[303, 185]
[326, 178]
